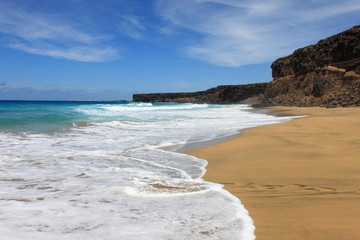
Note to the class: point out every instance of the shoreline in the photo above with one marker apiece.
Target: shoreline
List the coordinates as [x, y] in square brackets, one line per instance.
[298, 179]
[192, 146]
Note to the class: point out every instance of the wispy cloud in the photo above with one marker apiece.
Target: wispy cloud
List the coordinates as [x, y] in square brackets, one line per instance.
[50, 35]
[220, 32]
[78, 53]
[132, 26]
[240, 32]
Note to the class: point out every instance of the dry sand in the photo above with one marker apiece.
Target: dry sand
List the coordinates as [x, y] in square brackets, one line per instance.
[299, 179]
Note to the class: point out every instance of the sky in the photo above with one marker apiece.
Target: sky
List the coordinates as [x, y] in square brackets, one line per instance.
[108, 50]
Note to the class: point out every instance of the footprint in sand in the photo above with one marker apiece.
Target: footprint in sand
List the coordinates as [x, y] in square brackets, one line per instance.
[301, 187]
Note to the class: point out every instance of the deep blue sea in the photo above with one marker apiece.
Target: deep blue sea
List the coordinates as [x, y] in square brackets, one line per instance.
[104, 170]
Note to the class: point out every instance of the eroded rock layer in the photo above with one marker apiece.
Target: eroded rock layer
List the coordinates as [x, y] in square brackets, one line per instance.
[325, 74]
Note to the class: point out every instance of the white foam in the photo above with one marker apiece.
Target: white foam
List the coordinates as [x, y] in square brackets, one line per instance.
[110, 179]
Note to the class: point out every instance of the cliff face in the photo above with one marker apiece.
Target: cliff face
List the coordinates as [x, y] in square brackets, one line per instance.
[219, 95]
[324, 74]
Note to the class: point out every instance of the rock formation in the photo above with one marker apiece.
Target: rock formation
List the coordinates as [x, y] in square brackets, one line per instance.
[219, 95]
[325, 74]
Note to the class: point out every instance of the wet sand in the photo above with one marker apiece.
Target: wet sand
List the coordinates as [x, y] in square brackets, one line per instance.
[299, 179]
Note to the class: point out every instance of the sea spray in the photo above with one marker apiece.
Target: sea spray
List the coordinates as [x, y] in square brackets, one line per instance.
[111, 177]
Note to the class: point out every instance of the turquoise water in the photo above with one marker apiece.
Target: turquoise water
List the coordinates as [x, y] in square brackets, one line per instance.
[49, 116]
[45, 116]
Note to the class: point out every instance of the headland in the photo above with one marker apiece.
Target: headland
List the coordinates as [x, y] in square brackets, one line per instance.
[326, 74]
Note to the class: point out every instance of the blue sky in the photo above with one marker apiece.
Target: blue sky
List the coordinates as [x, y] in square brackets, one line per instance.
[107, 50]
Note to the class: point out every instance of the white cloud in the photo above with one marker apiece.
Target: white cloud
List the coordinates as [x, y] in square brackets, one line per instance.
[132, 26]
[240, 32]
[83, 54]
[220, 32]
[48, 35]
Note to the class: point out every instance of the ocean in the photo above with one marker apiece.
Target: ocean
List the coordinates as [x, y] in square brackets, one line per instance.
[112, 170]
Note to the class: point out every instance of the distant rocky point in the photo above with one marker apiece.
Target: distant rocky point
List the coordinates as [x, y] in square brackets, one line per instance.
[325, 74]
[225, 94]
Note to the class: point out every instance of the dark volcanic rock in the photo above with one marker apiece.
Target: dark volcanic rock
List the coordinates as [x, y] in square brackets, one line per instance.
[341, 50]
[218, 95]
[324, 74]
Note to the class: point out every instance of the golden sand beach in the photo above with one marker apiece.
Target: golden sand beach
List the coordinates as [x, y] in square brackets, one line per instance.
[299, 179]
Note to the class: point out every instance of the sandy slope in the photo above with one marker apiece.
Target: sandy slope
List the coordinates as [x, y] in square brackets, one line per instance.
[299, 179]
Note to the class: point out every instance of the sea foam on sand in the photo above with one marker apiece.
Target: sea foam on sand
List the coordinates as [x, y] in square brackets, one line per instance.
[111, 179]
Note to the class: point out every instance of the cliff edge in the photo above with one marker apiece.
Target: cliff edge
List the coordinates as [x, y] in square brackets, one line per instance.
[324, 74]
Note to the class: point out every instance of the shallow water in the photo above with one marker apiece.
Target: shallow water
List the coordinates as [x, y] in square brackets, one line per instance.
[72, 170]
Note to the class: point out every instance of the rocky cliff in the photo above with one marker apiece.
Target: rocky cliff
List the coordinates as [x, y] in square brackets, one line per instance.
[325, 74]
[219, 95]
